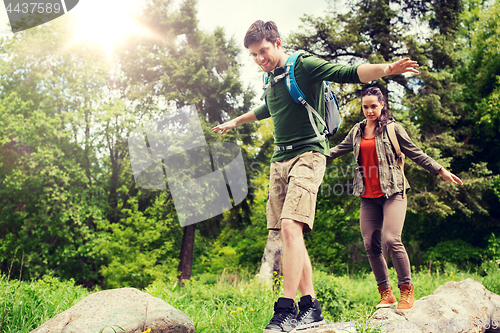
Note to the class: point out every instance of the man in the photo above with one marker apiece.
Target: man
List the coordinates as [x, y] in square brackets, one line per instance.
[296, 173]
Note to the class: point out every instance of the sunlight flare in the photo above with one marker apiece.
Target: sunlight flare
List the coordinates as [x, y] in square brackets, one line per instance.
[107, 22]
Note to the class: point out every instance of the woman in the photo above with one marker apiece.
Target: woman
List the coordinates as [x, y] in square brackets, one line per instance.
[380, 183]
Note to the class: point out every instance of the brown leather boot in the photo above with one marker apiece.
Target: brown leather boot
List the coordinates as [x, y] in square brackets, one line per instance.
[387, 298]
[407, 297]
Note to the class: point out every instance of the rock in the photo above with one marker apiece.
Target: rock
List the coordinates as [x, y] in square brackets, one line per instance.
[465, 306]
[125, 308]
[330, 327]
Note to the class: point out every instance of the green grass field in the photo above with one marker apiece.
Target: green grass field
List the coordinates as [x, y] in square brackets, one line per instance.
[227, 303]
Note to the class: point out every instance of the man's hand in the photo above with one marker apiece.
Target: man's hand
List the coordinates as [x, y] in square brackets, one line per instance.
[224, 127]
[401, 66]
[371, 72]
[243, 119]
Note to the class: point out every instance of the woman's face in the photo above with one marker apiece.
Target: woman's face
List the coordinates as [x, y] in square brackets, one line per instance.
[372, 108]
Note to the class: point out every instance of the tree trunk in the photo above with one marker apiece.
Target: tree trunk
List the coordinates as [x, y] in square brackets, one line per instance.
[186, 256]
[270, 269]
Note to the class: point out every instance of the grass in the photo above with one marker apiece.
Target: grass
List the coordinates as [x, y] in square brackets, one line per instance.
[232, 303]
[30, 304]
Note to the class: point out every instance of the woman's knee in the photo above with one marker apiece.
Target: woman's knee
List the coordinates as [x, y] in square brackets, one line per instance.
[373, 249]
[393, 242]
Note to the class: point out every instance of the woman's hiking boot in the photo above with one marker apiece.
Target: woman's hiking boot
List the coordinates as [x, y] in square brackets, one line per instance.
[407, 297]
[387, 298]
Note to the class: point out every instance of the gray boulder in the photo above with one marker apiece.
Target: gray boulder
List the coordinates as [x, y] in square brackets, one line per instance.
[128, 308]
[465, 306]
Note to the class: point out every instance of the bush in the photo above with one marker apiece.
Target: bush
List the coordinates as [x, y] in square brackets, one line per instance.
[235, 250]
[332, 293]
[493, 249]
[491, 280]
[456, 251]
[141, 247]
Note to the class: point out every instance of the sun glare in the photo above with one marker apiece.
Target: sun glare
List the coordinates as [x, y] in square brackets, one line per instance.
[106, 22]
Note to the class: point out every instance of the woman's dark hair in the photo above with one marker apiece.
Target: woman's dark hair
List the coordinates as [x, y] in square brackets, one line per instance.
[385, 114]
[260, 30]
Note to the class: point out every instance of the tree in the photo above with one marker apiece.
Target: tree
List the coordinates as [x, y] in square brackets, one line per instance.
[184, 65]
[50, 207]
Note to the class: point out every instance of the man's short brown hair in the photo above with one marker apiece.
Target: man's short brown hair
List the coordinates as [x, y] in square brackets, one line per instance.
[260, 30]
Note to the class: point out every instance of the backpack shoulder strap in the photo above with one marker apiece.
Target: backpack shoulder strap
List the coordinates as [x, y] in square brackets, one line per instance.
[266, 88]
[297, 94]
[291, 83]
[392, 136]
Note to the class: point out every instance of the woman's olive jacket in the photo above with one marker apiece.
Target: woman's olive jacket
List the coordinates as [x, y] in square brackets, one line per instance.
[390, 175]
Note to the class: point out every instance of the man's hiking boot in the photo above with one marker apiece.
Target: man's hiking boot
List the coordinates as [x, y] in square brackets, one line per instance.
[310, 315]
[387, 298]
[283, 320]
[407, 297]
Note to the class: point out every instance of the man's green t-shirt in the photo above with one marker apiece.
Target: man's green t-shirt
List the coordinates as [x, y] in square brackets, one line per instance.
[291, 120]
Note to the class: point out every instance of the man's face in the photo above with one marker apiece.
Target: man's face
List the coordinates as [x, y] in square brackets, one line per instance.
[266, 54]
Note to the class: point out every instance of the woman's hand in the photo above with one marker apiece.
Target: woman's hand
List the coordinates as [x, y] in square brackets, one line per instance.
[449, 176]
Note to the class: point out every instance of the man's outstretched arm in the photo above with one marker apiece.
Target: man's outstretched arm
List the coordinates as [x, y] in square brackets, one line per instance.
[370, 72]
[244, 118]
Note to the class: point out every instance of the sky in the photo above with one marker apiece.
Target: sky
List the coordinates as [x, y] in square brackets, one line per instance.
[234, 16]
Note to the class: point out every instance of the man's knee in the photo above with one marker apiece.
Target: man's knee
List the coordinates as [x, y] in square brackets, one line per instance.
[291, 229]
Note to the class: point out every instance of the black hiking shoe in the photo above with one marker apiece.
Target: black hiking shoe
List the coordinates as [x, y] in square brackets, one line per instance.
[310, 315]
[283, 320]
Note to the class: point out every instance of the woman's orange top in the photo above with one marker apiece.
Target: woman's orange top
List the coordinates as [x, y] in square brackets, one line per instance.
[368, 161]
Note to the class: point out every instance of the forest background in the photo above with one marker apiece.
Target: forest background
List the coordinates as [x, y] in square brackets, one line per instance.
[70, 205]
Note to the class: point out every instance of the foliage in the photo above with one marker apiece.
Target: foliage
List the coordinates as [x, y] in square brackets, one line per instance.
[332, 293]
[234, 250]
[448, 107]
[457, 252]
[71, 206]
[491, 270]
[185, 65]
[493, 249]
[481, 78]
[240, 244]
[142, 247]
[335, 241]
[41, 182]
